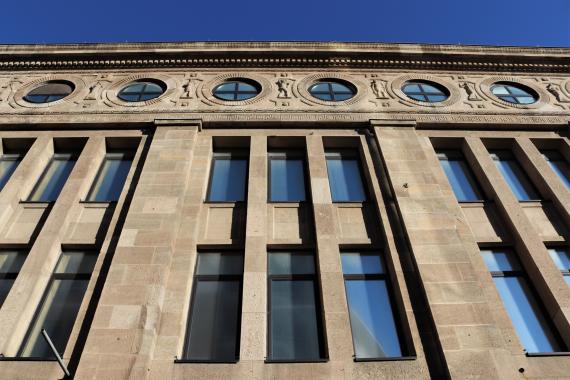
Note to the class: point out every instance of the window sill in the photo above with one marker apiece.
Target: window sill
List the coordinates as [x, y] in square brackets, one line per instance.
[224, 202]
[547, 354]
[476, 202]
[285, 361]
[388, 359]
[25, 359]
[191, 361]
[47, 203]
[97, 202]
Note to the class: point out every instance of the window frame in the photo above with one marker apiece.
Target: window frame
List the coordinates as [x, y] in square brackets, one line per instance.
[11, 157]
[13, 275]
[213, 277]
[564, 272]
[323, 352]
[548, 156]
[238, 153]
[92, 191]
[236, 92]
[457, 154]
[510, 156]
[289, 155]
[351, 90]
[46, 97]
[530, 93]
[348, 153]
[140, 94]
[72, 157]
[443, 91]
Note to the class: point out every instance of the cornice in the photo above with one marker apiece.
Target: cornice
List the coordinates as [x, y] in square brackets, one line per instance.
[283, 55]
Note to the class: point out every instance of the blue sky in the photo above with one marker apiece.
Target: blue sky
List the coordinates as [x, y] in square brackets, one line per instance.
[495, 22]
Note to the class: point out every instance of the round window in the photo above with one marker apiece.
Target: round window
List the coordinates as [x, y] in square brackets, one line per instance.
[142, 90]
[237, 89]
[514, 93]
[332, 90]
[425, 91]
[50, 91]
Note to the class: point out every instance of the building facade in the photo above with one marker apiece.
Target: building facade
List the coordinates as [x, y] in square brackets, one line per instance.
[284, 211]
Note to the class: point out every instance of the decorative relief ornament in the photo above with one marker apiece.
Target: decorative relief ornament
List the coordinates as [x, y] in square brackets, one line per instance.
[9, 88]
[469, 88]
[190, 87]
[284, 86]
[378, 87]
[556, 91]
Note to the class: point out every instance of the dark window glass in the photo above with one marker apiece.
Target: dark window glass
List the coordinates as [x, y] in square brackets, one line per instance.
[11, 262]
[425, 91]
[531, 324]
[287, 177]
[345, 179]
[332, 90]
[374, 329]
[60, 304]
[215, 313]
[559, 165]
[53, 178]
[50, 92]
[111, 177]
[237, 90]
[514, 175]
[8, 165]
[228, 178]
[561, 258]
[514, 93]
[139, 91]
[459, 176]
[294, 311]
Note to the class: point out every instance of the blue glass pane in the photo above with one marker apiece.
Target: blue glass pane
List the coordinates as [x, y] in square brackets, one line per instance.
[343, 96]
[287, 180]
[320, 87]
[5, 286]
[567, 279]
[345, 181]
[339, 87]
[526, 99]
[515, 177]
[241, 96]
[8, 164]
[76, 262]
[246, 87]
[11, 261]
[436, 98]
[225, 96]
[111, 178]
[217, 263]
[499, 90]
[430, 89]
[500, 261]
[294, 327]
[373, 326]
[133, 88]
[129, 97]
[53, 179]
[530, 323]
[153, 87]
[150, 96]
[226, 87]
[560, 167]
[517, 91]
[291, 263]
[561, 258]
[325, 96]
[460, 178]
[411, 88]
[357, 263]
[228, 180]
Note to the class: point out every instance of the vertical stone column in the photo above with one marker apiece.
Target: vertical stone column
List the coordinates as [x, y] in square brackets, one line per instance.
[21, 305]
[443, 249]
[530, 247]
[254, 301]
[335, 308]
[134, 321]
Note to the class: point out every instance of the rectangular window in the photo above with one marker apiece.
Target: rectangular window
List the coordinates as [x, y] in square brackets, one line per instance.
[559, 165]
[374, 328]
[60, 304]
[561, 258]
[286, 177]
[345, 179]
[11, 262]
[53, 178]
[533, 328]
[111, 178]
[228, 177]
[215, 311]
[295, 325]
[459, 176]
[8, 165]
[514, 175]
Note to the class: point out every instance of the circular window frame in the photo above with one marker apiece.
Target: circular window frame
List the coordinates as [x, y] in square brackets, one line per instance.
[304, 84]
[450, 87]
[352, 88]
[247, 81]
[112, 92]
[77, 83]
[486, 84]
[263, 84]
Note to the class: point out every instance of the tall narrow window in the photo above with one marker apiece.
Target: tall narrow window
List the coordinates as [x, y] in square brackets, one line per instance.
[228, 177]
[527, 314]
[345, 179]
[514, 175]
[559, 165]
[374, 329]
[111, 178]
[215, 312]
[11, 262]
[8, 165]
[60, 304]
[53, 178]
[286, 177]
[295, 325]
[459, 176]
[561, 257]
